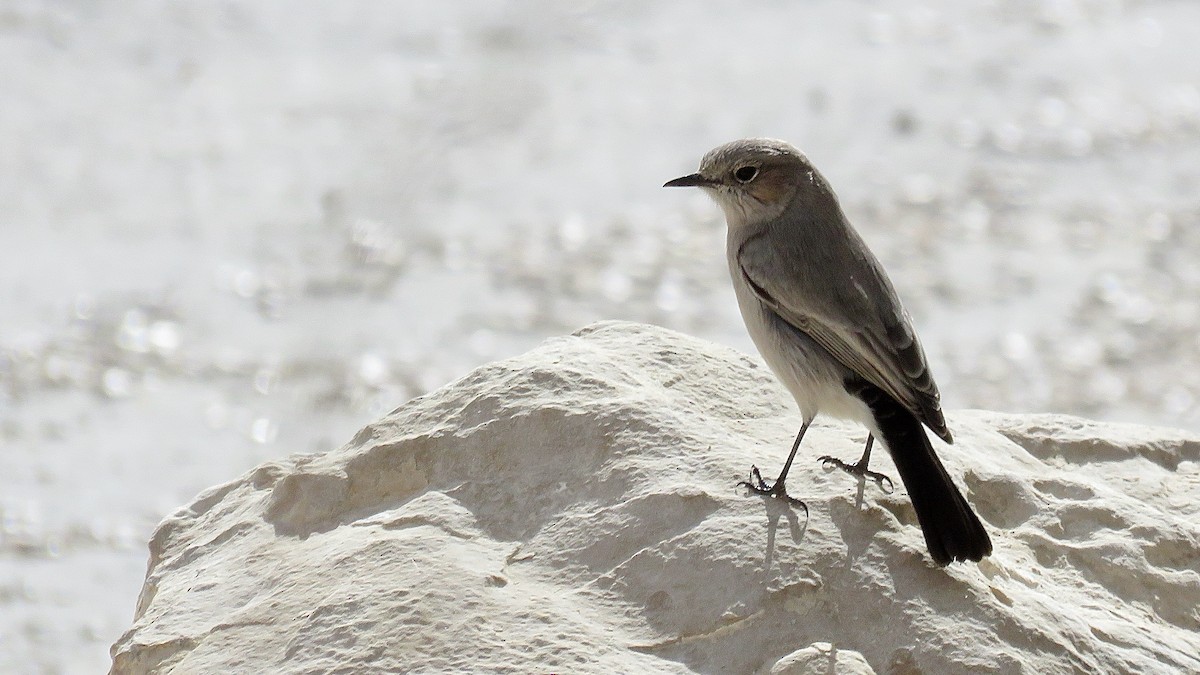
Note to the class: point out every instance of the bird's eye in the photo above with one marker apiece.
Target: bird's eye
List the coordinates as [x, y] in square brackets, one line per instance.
[745, 174]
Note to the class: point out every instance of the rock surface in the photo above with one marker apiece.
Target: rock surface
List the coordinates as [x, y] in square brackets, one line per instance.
[574, 510]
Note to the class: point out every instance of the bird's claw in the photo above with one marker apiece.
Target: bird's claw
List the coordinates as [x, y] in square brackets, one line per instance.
[758, 485]
[756, 481]
[860, 471]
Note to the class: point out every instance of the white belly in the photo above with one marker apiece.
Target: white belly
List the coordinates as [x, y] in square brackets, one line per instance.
[806, 369]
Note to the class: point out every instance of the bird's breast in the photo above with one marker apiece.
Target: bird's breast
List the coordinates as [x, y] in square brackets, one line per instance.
[808, 371]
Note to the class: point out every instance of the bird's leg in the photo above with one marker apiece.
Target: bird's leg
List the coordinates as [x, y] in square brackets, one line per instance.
[860, 468]
[757, 484]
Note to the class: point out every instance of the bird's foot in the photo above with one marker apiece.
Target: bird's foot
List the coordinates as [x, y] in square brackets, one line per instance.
[860, 470]
[757, 484]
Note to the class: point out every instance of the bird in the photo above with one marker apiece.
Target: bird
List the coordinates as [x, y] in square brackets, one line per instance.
[827, 321]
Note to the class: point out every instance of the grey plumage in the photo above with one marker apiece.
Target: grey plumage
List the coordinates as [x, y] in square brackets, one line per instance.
[837, 293]
[827, 320]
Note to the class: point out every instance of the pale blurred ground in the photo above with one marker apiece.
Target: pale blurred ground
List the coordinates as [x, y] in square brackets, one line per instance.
[234, 231]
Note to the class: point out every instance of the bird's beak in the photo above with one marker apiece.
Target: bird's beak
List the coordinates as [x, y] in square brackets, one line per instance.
[691, 180]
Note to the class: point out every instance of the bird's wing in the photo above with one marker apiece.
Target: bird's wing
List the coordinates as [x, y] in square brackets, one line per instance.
[852, 311]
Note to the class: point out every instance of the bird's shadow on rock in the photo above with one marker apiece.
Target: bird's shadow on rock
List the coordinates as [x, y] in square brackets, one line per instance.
[777, 509]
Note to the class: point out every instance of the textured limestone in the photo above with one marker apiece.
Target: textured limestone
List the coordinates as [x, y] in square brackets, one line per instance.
[574, 510]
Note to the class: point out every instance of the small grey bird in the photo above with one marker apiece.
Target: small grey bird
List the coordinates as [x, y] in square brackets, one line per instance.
[827, 321]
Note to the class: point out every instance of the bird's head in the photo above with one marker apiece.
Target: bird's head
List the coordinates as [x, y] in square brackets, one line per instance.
[754, 180]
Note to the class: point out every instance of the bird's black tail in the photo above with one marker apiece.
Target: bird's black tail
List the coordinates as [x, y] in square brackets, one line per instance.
[952, 530]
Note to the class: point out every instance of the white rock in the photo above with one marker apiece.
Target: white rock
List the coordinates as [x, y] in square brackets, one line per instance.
[822, 658]
[575, 510]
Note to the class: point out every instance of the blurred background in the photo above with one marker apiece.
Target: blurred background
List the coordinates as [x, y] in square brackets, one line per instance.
[234, 231]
